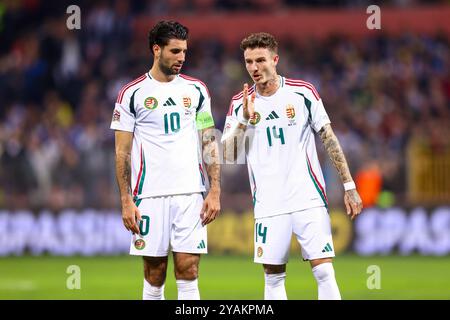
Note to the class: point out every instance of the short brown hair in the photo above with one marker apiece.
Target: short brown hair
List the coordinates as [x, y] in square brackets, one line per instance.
[260, 40]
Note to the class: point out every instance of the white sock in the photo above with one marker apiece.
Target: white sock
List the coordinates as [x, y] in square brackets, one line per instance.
[188, 290]
[152, 292]
[326, 282]
[274, 286]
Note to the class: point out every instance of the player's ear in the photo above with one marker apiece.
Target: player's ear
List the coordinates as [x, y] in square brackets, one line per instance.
[156, 51]
[276, 58]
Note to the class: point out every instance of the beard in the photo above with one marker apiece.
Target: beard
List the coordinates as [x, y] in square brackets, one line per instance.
[166, 69]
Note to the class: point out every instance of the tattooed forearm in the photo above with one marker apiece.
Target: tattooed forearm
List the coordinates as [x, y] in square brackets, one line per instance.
[211, 157]
[352, 200]
[232, 144]
[335, 152]
[123, 163]
[123, 174]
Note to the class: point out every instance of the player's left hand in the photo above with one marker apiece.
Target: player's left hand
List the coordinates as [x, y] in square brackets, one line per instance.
[211, 207]
[353, 203]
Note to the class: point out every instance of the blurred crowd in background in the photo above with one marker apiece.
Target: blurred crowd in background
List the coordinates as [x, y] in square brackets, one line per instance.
[58, 88]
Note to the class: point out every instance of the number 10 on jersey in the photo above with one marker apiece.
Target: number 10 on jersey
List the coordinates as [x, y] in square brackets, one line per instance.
[174, 122]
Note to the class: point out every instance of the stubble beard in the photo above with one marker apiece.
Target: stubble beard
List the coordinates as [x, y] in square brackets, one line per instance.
[168, 71]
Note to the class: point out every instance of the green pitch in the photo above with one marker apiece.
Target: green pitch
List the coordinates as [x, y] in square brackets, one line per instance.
[222, 277]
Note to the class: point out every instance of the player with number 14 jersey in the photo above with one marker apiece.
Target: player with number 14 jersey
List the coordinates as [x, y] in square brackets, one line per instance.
[284, 170]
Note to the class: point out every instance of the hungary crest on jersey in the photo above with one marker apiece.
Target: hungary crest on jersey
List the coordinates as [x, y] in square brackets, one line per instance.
[150, 103]
[255, 119]
[290, 113]
[187, 103]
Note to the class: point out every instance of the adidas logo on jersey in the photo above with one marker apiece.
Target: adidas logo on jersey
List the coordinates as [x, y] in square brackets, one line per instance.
[272, 115]
[169, 102]
[327, 248]
[201, 245]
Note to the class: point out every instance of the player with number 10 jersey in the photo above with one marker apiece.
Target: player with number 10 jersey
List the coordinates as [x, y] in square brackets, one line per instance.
[165, 118]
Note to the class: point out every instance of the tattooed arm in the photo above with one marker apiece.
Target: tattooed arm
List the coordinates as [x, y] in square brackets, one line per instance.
[352, 200]
[130, 213]
[211, 205]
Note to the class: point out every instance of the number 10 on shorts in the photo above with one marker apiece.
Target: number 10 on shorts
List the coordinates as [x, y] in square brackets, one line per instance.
[260, 232]
[144, 225]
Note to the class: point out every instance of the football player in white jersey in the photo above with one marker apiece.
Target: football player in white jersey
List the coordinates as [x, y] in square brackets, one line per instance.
[277, 118]
[159, 164]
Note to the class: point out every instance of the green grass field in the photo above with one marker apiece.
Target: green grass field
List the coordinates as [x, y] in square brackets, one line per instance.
[222, 277]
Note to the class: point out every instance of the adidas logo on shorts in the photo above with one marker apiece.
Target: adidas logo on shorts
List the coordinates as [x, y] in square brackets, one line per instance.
[327, 248]
[201, 245]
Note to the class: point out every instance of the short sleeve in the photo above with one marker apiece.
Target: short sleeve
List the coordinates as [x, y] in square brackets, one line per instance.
[234, 114]
[123, 118]
[204, 118]
[319, 116]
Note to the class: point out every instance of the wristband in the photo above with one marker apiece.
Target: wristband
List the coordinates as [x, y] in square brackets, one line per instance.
[349, 185]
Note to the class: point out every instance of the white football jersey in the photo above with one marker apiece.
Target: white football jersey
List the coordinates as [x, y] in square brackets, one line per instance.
[165, 118]
[283, 166]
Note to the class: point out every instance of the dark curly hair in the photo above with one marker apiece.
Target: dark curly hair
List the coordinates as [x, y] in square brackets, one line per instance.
[163, 31]
[260, 40]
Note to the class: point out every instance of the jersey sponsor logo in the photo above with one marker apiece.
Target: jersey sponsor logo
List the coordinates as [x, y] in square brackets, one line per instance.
[139, 244]
[255, 119]
[272, 115]
[151, 103]
[169, 103]
[116, 115]
[290, 113]
[259, 252]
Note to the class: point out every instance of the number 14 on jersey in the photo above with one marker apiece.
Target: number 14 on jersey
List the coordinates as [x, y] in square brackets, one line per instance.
[276, 133]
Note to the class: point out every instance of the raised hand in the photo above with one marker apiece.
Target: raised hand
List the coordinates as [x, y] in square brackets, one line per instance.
[248, 104]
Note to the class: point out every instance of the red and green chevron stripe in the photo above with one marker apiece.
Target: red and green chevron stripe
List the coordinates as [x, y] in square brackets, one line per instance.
[316, 182]
[202, 174]
[141, 176]
[254, 188]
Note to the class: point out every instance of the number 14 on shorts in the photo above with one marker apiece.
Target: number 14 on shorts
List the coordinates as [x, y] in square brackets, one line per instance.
[260, 232]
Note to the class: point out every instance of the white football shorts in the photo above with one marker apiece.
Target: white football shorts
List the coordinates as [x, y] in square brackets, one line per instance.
[273, 235]
[170, 222]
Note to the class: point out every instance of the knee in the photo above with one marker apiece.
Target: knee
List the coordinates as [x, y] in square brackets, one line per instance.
[187, 271]
[157, 278]
[323, 272]
[155, 274]
[271, 269]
